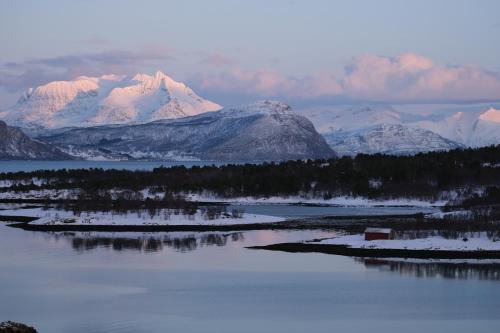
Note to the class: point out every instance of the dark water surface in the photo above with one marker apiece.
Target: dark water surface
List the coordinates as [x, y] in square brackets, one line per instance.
[296, 211]
[15, 166]
[209, 282]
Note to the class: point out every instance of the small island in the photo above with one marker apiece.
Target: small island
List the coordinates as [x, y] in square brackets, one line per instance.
[380, 243]
[211, 218]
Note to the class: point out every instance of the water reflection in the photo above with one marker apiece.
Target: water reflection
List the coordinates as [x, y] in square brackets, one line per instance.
[459, 269]
[179, 241]
[182, 242]
[188, 241]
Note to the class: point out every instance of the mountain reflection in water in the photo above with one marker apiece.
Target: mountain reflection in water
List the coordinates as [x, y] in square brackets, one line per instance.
[474, 269]
[182, 242]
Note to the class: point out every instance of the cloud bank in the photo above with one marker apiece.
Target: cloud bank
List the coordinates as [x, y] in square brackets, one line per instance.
[408, 78]
[16, 76]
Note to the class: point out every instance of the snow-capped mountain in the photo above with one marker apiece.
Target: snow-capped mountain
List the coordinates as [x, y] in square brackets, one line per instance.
[382, 128]
[473, 129]
[391, 139]
[263, 130]
[15, 145]
[331, 119]
[109, 99]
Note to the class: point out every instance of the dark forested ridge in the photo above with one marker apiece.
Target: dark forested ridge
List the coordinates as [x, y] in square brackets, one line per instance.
[376, 176]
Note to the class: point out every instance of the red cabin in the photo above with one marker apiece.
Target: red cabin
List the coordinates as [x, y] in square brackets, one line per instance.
[378, 233]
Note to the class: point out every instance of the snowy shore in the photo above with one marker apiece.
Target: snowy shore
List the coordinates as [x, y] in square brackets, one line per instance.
[344, 201]
[163, 218]
[435, 243]
[336, 201]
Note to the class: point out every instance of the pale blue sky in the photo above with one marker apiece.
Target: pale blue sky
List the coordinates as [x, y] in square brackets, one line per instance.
[191, 38]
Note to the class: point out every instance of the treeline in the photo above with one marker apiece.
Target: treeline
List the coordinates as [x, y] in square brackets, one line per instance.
[423, 175]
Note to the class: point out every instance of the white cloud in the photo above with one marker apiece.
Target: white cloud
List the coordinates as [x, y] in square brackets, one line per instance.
[406, 78]
[21, 75]
[217, 59]
[267, 83]
[411, 77]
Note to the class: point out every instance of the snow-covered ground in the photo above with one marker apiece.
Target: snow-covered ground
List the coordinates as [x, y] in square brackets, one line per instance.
[434, 243]
[59, 217]
[344, 201]
[34, 180]
[336, 201]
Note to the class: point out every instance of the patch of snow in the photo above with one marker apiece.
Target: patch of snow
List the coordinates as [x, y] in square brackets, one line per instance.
[456, 213]
[41, 194]
[491, 165]
[10, 182]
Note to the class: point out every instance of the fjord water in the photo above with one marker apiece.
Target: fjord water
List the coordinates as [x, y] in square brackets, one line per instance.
[192, 282]
[27, 166]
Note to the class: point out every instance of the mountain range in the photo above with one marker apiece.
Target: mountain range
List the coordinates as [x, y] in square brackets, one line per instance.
[383, 129]
[155, 117]
[264, 130]
[473, 129]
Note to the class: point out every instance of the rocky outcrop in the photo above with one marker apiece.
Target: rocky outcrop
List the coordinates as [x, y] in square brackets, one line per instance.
[13, 327]
[15, 145]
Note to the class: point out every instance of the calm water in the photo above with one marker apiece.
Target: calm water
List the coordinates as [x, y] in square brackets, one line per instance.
[209, 282]
[14, 166]
[311, 211]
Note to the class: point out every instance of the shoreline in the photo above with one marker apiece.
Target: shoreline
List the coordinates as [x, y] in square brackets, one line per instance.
[344, 250]
[348, 202]
[348, 222]
[152, 228]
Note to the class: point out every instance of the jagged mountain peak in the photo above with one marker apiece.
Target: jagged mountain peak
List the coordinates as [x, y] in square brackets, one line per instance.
[394, 139]
[475, 128]
[492, 115]
[348, 128]
[347, 118]
[104, 100]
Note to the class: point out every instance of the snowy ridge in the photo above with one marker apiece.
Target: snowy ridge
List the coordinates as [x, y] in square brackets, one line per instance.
[329, 120]
[491, 115]
[473, 129]
[388, 139]
[383, 129]
[264, 107]
[15, 145]
[264, 130]
[109, 99]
